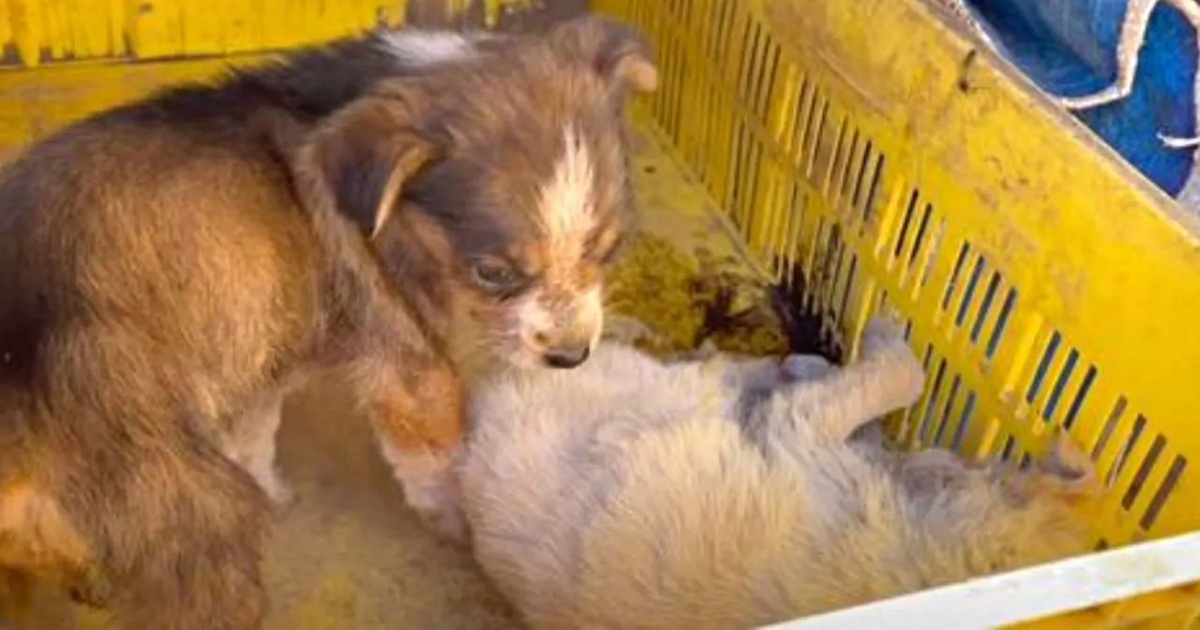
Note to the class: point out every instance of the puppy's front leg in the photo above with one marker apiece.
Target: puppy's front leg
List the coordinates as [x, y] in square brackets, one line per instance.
[886, 378]
[253, 446]
[415, 404]
[748, 373]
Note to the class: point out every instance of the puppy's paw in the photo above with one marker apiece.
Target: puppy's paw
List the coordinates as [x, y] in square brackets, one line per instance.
[805, 367]
[1073, 469]
[278, 491]
[283, 497]
[908, 375]
[885, 347]
[883, 342]
[884, 334]
[448, 524]
[434, 496]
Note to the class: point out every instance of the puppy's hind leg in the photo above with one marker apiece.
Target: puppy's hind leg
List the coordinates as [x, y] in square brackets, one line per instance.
[887, 377]
[768, 373]
[760, 374]
[807, 367]
[748, 374]
[1064, 470]
[186, 552]
[16, 586]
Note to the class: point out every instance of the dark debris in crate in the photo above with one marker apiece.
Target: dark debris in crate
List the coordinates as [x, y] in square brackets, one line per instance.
[696, 300]
[805, 328]
[691, 299]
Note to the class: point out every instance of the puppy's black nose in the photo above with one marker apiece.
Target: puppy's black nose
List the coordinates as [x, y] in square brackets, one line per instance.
[566, 358]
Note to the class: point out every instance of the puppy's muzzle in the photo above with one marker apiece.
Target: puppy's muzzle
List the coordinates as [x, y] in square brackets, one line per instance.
[562, 326]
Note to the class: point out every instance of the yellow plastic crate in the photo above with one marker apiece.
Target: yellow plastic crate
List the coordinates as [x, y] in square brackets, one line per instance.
[867, 149]
[863, 149]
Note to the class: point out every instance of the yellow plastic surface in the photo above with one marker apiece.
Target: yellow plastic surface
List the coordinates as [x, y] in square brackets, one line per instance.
[868, 146]
[861, 149]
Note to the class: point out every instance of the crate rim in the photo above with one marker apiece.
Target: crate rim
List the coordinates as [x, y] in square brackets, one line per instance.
[1029, 594]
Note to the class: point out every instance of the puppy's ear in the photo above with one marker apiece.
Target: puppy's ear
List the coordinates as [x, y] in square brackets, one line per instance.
[615, 51]
[363, 155]
[422, 233]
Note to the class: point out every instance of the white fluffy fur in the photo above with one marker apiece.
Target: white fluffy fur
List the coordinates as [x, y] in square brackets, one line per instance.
[632, 493]
[566, 200]
[419, 48]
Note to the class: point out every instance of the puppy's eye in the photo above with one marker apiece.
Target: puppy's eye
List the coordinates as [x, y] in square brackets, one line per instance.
[496, 277]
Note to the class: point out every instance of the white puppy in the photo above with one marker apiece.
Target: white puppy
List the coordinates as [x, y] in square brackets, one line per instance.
[629, 493]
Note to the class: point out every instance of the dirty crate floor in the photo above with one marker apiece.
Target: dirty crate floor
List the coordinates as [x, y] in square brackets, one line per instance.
[349, 555]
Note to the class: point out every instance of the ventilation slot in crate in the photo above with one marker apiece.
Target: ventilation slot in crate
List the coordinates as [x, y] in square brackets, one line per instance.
[1163, 492]
[913, 252]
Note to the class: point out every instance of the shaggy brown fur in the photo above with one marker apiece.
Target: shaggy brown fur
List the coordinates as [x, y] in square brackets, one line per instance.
[727, 494]
[169, 270]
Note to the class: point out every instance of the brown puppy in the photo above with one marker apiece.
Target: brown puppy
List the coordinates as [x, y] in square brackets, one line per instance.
[500, 211]
[171, 268]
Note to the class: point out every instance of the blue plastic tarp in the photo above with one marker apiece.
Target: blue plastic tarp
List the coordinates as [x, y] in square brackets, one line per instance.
[1069, 48]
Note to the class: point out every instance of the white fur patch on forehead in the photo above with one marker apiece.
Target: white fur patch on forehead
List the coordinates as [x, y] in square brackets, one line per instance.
[567, 201]
[423, 48]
